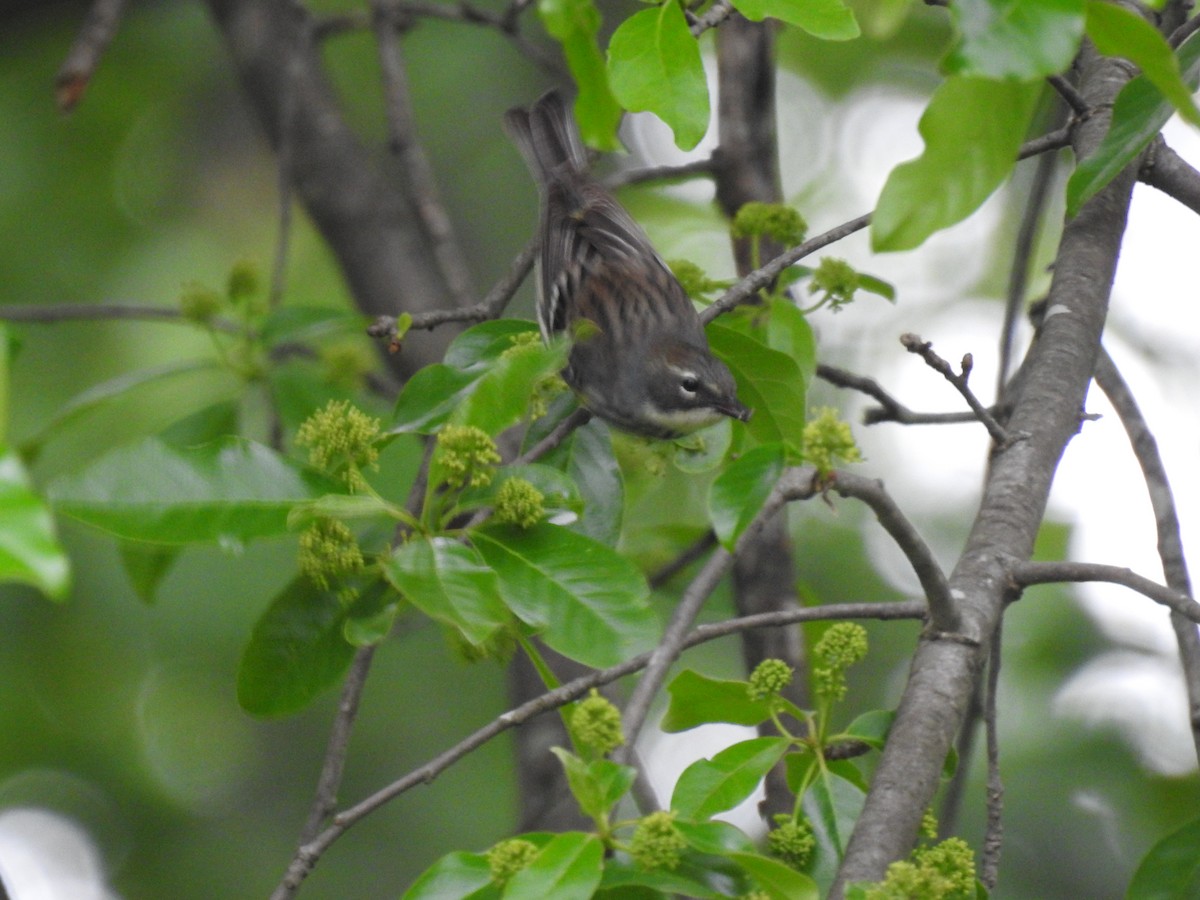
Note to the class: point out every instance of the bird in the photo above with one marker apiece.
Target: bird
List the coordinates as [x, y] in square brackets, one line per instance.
[639, 358]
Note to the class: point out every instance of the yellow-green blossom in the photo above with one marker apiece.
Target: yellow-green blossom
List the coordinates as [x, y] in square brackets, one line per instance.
[837, 280]
[791, 841]
[519, 503]
[199, 303]
[772, 220]
[828, 441]
[945, 871]
[656, 842]
[507, 858]
[769, 678]
[596, 723]
[244, 282]
[840, 647]
[695, 280]
[328, 552]
[341, 435]
[466, 455]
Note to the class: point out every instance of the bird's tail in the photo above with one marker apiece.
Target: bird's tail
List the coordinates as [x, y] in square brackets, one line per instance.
[547, 137]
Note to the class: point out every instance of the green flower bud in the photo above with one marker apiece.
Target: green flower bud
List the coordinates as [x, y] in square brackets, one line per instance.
[244, 282]
[199, 304]
[341, 435]
[656, 842]
[519, 503]
[828, 441]
[467, 455]
[769, 678]
[791, 841]
[596, 723]
[773, 220]
[695, 280]
[329, 551]
[837, 280]
[507, 858]
[945, 871]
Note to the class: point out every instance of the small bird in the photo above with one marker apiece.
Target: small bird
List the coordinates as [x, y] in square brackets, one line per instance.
[639, 358]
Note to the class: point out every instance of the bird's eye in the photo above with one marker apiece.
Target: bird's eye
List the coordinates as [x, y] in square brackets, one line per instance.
[690, 383]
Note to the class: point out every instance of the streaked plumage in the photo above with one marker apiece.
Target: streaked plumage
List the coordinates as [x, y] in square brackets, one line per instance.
[640, 359]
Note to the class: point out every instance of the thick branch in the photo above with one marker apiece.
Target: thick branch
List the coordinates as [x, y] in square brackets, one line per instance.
[944, 673]
[369, 224]
[1170, 173]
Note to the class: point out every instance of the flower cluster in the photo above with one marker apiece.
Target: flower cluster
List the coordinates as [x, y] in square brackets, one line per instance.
[828, 441]
[596, 724]
[519, 503]
[945, 871]
[328, 552]
[791, 841]
[340, 435]
[772, 220]
[467, 456]
[769, 678]
[836, 280]
[656, 842]
[507, 858]
[695, 280]
[839, 648]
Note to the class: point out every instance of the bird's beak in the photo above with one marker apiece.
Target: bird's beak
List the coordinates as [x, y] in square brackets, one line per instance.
[735, 410]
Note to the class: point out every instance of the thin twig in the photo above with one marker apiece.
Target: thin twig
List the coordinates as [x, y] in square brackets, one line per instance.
[765, 275]
[993, 839]
[794, 484]
[85, 54]
[943, 612]
[330, 781]
[1166, 519]
[712, 17]
[890, 409]
[1054, 140]
[914, 344]
[690, 554]
[384, 327]
[1183, 32]
[695, 169]
[72, 312]
[560, 433]
[308, 855]
[1068, 92]
[1024, 574]
[422, 182]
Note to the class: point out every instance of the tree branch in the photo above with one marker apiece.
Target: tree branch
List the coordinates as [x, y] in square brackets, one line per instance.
[1027, 573]
[1166, 170]
[98, 30]
[913, 344]
[943, 674]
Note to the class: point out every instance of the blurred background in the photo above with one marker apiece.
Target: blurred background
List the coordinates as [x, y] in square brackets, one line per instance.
[124, 757]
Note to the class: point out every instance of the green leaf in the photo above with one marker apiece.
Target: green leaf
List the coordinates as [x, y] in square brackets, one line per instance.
[1138, 116]
[1022, 39]
[1171, 870]
[780, 881]
[698, 700]
[456, 876]
[625, 881]
[596, 784]
[296, 651]
[654, 65]
[704, 450]
[483, 343]
[501, 397]
[575, 24]
[872, 727]
[587, 459]
[1119, 32]
[568, 867]
[833, 806]
[973, 128]
[737, 495]
[789, 331]
[711, 786]
[337, 506]
[186, 382]
[587, 599]
[229, 490]
[829, 20]
[715, 837]
[146, 565]
[768, 381]
[448, 582]
[431, 396]
[29, 550]
[559, 491]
